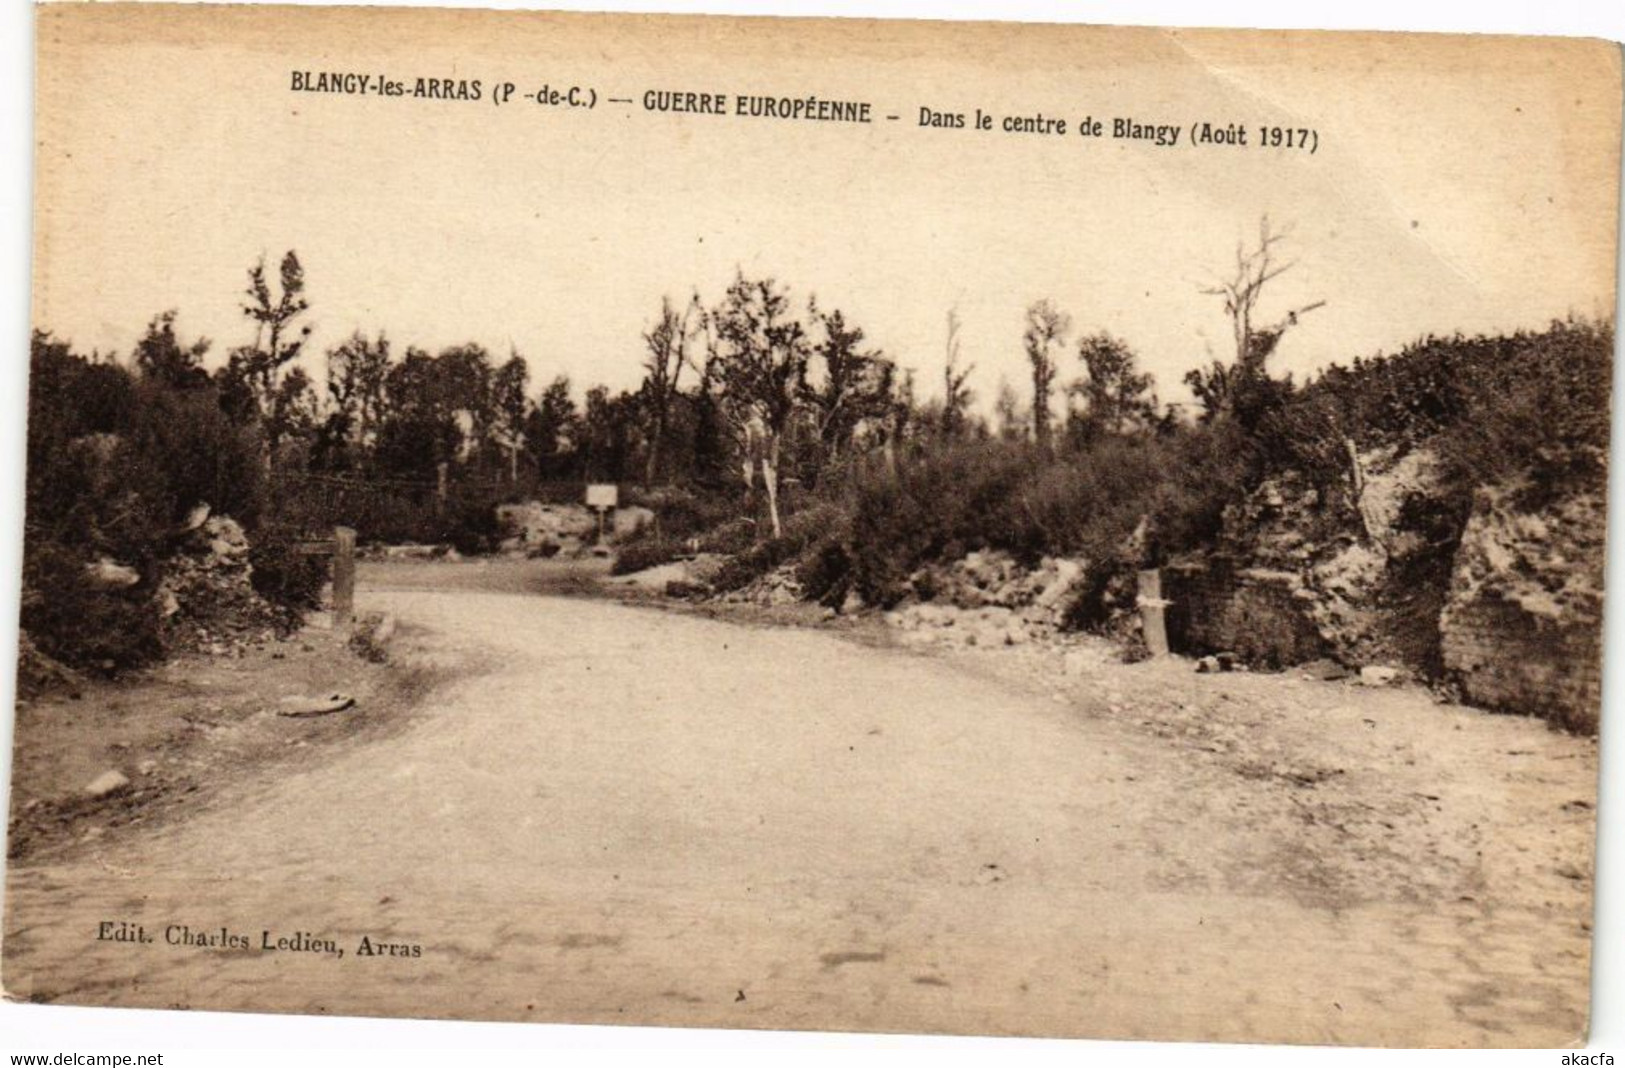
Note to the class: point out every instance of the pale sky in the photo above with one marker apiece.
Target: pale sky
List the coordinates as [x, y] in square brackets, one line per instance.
[1460, 184]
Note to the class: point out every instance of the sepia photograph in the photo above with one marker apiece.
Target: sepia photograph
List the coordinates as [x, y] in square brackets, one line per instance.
[878, 526]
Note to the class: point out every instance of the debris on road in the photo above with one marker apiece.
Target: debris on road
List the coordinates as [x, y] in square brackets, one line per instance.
[315, 706]
[371, 637]
[1373, 675]
[108, 782]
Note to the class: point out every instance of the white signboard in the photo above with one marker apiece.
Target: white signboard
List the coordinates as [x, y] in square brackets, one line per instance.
[602, 495]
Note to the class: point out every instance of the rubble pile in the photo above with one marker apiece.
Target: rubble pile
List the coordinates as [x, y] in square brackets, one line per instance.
[1339, 568]
[206, 599]
[1548, 563]
[778, 587]
[988, 598]
[535, 529]
[410, 551]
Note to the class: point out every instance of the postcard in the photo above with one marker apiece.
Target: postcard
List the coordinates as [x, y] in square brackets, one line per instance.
[815, 524]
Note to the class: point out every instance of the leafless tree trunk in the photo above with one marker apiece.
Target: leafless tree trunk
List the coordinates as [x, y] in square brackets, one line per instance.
[770, 479]
[668, 345]
[759, 352]
[955, 397]
[1046, 331]
[1256, 268]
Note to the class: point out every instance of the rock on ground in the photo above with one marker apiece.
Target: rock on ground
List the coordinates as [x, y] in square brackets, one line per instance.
[110, 781]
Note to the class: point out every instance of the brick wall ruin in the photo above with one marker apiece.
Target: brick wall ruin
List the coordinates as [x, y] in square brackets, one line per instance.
[1255, 613]
[1520, 629]
[1505, 658]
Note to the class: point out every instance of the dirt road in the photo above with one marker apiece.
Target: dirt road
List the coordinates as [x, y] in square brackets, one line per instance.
[630, 816]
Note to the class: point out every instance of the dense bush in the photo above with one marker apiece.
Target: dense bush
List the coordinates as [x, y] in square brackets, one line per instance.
[68, 619]
[115, 463]
[1490, 406]
[88, 496]
[1088, 502]
[825, 570]
[469, 523]
[682, 513]
[281, 573]
[196, 454]
[939, 504]
[645, 552]
[1544, 409]
[801, 531]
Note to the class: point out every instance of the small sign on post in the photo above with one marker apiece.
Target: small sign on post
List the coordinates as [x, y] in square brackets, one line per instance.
[601, 497]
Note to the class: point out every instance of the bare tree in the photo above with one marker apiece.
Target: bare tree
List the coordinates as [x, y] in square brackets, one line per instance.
[273, 316]
[1256, 268]
[1046, 332]
[760, 358]
[956, 399]
[668, 345]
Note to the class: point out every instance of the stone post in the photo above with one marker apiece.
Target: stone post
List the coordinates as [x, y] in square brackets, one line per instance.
[343, 577]
[1152, 612]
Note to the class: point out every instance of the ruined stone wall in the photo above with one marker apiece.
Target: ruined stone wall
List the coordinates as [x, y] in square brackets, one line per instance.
[1258, 614]
[1521, 628]
[1518, 629]
[1505, 658]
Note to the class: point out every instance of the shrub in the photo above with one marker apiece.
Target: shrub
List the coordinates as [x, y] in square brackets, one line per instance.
[103, 631]
[1202, 471]
[941, 503]
[734, 536]
[197, 454]
[801, 531]
[1542, 408]
[1089, 503]
[644, 552]
[682, 513]
[825, 571]
[469, 523]
[1086, 502]
[1490, 406]
[281, 573]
